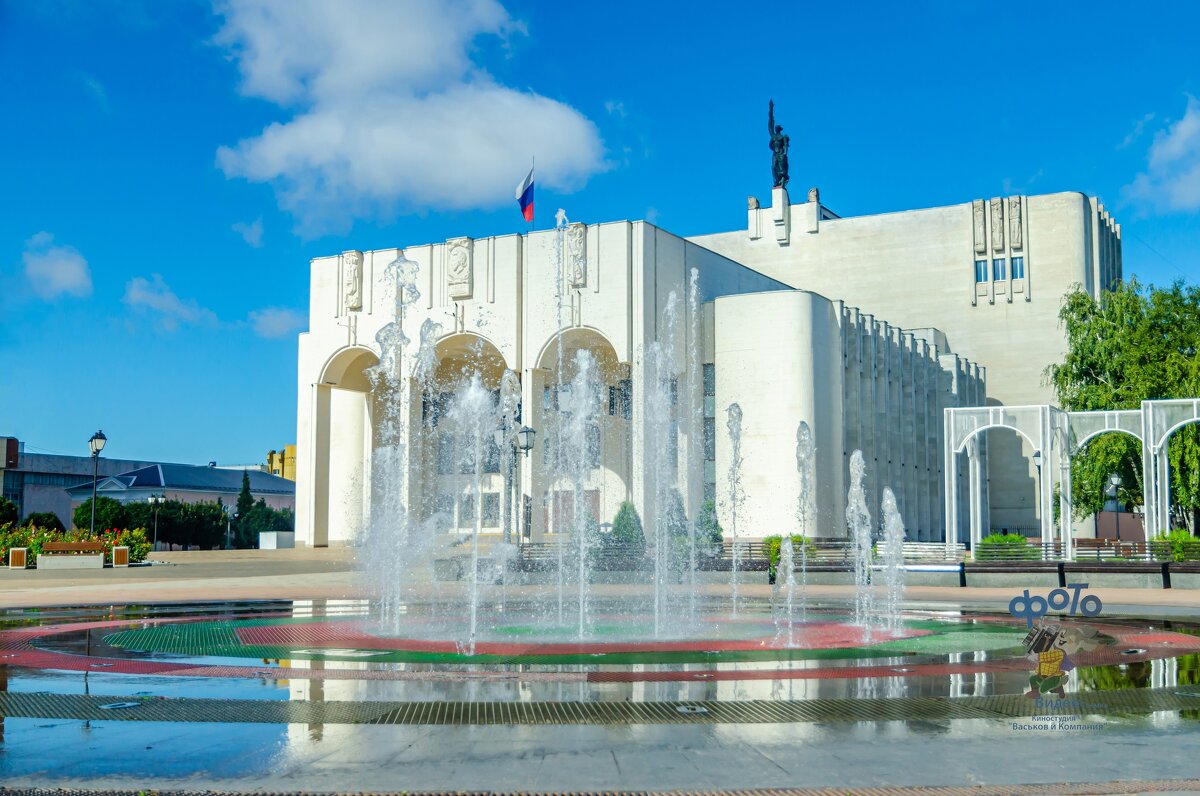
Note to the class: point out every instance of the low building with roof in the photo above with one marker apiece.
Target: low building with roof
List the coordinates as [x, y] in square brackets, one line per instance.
[189, 484]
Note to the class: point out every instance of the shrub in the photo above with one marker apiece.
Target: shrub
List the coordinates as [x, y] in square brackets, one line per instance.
[1007, 547]
[627, 528]
[772, 546]
[710, 537]
[34, 539]
[44, 519]
[1178, 545]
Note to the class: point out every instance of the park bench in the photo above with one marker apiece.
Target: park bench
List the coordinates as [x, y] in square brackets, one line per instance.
[79, 555]
[59, 548]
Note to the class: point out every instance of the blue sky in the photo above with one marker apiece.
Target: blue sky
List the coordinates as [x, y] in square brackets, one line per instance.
[171, 167]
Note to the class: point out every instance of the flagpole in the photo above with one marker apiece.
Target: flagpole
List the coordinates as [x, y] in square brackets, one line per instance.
[533, 215]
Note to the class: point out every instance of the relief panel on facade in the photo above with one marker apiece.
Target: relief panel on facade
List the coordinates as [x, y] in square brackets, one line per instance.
[1014, 221]
[352, 262]
[997, 225]
[459, 267]
[576, 264]
[979, 235]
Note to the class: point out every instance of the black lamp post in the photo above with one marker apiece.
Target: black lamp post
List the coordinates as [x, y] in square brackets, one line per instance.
[156, 501]
[96, 443]
[1115, 481]
[525, 439]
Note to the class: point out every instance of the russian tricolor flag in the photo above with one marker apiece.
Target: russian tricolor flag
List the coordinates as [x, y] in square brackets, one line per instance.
[525, 197]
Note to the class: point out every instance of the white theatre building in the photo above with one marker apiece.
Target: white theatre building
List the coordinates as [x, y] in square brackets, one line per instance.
[866, 328]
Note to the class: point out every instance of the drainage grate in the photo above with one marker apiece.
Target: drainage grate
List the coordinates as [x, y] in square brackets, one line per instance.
[82, 707]
[1050, 789]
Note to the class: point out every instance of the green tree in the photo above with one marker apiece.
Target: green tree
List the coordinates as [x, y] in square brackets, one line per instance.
[109, 514]
[1135, 343]
[261, 518]
[245, 500]
[709, 535]
[627, 527]
[43, 520]
[8, 512]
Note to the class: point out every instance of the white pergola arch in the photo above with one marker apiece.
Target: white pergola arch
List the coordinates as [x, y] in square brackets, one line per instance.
[1056, 436]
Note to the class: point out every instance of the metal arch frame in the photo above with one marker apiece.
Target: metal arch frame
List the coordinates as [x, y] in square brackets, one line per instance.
[1161, 419]
[1042, 425]
[1054, 432]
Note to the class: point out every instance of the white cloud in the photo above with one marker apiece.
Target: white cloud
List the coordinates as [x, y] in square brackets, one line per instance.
[277, 322]
[391, 112]
[1171, 181]
[156, 297]
[615, 108]
[1138, 128]
[251, 233]
[55, 271]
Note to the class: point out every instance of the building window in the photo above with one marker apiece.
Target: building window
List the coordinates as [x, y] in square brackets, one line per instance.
[1018, 268]
[491, 509]
[445, 454]
[593, 446]
[710, 439]
[710, 379]
[491, 459]
[620, 399]
[981, 270]
[466, 511]
[445, 507]
[999, 272]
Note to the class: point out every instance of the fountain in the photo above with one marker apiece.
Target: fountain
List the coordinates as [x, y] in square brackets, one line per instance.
[695, 430]
[787, 566]
[733, 424]
[806, 460]
[579, 409]
[893, 561]
[858, 523]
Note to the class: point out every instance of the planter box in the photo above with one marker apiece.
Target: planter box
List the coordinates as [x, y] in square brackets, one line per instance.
[276, 540]
[120, 556]
[18, 558]
[86, 561]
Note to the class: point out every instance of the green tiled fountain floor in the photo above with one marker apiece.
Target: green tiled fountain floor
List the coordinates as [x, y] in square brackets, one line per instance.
[220, 639]
[1185, 699]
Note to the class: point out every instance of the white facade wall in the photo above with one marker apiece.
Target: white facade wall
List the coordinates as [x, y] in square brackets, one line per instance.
[916, 269]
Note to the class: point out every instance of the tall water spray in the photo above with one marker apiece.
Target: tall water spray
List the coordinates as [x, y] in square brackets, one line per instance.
[387, 526]
[580, 408]
[733, 423]
[662, 449]
[893, 562]
[806, 515]
[473, 414]
[858, 522]
[553, 439]
[695, 430]
[787, 568]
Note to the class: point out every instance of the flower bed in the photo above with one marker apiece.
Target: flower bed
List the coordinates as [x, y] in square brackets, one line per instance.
[33, 539]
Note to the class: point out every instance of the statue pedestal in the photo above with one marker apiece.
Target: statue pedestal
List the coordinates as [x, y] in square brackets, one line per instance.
[781, 214]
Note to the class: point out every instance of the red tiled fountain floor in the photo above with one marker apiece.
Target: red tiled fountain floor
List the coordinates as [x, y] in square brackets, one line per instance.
[17, 649]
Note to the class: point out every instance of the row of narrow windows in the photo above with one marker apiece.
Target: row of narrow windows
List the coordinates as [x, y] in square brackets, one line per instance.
[999, 269]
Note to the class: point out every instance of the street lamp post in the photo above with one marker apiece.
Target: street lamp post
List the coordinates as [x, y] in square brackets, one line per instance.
[230, 516]
[156, 501]
[96, 443]
[1115, 481]
[508, 443]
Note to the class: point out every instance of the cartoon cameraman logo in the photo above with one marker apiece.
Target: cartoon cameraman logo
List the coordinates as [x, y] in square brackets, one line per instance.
[1050, 648]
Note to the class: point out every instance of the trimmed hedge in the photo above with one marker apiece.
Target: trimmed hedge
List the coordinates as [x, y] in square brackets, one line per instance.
[34, 538]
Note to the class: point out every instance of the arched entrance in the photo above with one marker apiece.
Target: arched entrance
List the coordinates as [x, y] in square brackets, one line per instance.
[608, 442]
[342, 442]
[444, 479]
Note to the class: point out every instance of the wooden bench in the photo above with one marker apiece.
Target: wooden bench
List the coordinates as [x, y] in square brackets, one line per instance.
[71, 555]
[53, 548]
